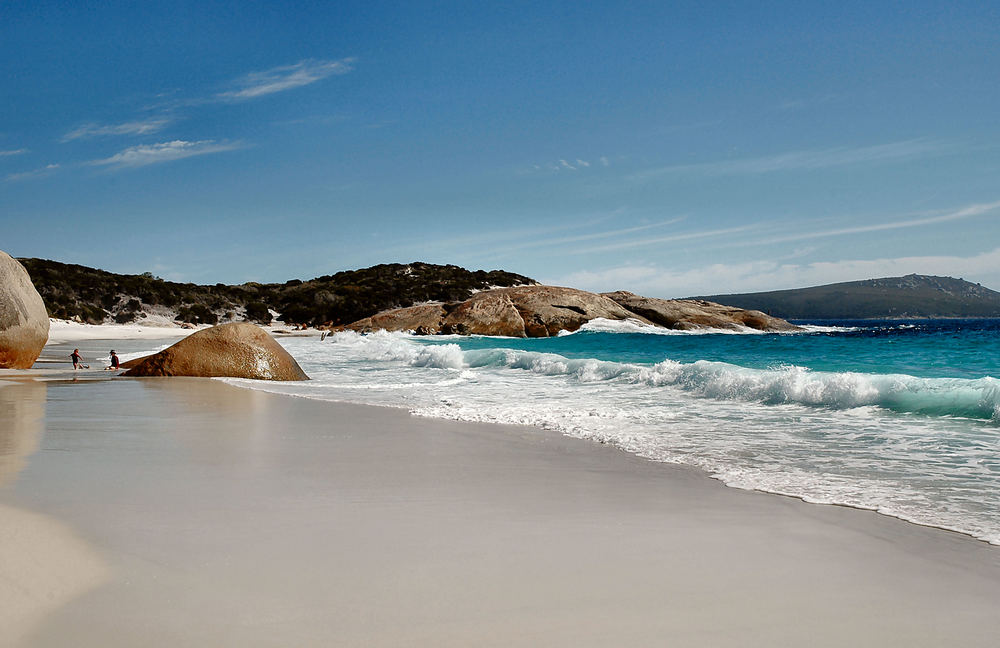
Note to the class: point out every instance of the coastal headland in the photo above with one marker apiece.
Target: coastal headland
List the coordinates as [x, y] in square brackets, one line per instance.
[544, 311]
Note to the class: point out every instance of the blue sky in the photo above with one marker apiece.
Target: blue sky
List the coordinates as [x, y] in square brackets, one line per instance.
[670, 149]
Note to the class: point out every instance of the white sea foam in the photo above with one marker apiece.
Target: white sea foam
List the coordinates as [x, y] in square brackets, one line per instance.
[602, 325]
[816, 328]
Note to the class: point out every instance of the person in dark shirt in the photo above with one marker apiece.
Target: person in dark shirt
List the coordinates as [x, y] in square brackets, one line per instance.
[115, 364]
[75, 356]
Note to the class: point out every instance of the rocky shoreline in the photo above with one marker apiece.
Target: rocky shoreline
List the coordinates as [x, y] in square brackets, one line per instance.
[544, 311]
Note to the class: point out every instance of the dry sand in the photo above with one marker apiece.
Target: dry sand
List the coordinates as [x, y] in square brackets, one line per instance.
[63, 331]
[236, 518]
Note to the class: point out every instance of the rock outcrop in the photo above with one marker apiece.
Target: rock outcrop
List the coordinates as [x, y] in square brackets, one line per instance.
[425, 318]
[542, 311]
[692, 314]
[24, 323]
[236, 350]
[522, 311]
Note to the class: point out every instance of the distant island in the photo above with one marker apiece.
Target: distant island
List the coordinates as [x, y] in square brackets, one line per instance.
[912, 296]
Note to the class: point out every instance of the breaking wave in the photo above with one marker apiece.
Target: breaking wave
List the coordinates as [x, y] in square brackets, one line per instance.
[780, 385]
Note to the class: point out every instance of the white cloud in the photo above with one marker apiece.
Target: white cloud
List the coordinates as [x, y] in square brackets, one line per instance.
[969, 211]
[805, 160]
[965, 212]
[13, 152]
[137, 156]
[286, 77]
[143, 127]
[756, 276]
[35, 173]
[686, 236]
[566, 164]
[552, 242]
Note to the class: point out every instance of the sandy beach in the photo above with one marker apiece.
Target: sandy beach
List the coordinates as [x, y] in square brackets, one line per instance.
[187, 512]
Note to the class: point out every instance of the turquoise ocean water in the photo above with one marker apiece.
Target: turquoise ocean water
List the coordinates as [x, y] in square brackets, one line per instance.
[898, 417]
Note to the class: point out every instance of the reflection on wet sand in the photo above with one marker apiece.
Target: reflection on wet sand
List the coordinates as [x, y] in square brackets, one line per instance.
[43, 564]
[22, 411]
[250, 441]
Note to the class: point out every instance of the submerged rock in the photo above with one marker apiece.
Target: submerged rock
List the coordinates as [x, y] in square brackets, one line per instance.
[692, 314]
[24, 322]
[236, 350]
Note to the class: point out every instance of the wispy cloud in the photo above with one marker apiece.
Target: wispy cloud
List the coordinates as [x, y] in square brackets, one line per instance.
[508, 239]
[137, 156]
[313, 119]
[755, 276]
[554, 242]
[569, 164]
[790, 105]
[672, 238]
[965, 212]
[140, 127]
[969, 211]
[13, 152]
[600, 235]
[286, 77]
[35, 173]
[805, 160]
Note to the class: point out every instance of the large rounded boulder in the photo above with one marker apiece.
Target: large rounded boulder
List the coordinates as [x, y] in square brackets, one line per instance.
[24, 322]
[236, 350]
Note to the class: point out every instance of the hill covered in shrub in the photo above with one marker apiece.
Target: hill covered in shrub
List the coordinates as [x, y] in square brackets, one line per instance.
[94, 296]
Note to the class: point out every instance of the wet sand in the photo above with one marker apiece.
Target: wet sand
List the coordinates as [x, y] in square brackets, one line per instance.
[211, 515]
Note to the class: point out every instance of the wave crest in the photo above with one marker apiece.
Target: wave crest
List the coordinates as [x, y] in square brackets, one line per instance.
[780, 385]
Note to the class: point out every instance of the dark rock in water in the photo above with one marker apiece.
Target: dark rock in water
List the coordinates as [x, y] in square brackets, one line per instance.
[236, 350]
[24, 323]
[691, 314]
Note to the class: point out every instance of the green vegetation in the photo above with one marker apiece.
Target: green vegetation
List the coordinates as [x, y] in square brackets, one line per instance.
[91, 295]
[912, 296]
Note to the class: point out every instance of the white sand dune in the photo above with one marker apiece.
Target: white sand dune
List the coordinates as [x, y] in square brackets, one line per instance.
[64, 331]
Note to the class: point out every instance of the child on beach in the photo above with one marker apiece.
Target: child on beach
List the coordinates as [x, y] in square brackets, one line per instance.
[75, 356]
[115, 364]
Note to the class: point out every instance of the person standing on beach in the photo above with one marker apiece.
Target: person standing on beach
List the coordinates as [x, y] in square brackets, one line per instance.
[76, 358]
[115, 364]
